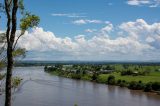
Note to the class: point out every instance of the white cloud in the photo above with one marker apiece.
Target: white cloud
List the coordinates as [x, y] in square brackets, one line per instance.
[86, 21]
[79, 22]
[149, 3]
[140, 40]
[138, 2]
[90, 30]
[69, 15]
[141, 29]
[149, 39]
[108, 28]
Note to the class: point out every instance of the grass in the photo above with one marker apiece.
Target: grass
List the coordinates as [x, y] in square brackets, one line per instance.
[102, 78]
[152, 77]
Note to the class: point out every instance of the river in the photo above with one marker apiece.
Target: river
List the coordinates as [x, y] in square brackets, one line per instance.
[41, 89]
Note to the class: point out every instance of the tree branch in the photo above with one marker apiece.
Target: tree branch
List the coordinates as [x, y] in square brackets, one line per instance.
[17, 40]
[8, 21]
[14, 21]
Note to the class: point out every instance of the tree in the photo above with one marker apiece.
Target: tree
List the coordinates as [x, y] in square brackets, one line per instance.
[111, 80]
[29, 20]
[17, 53]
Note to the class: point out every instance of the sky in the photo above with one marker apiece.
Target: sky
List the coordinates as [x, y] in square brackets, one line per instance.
[93, 30]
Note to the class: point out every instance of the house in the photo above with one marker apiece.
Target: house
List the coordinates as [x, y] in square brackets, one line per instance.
[106, 71]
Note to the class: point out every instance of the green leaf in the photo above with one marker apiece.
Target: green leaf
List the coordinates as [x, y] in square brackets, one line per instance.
[29, 21]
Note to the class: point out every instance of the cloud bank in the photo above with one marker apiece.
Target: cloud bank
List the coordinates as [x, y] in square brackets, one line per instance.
[136, 40]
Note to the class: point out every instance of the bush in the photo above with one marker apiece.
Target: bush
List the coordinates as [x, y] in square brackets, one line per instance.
[156, 86]
[121, 83]
[136, 85]
[94, 76]
[50, 68]
[76, 76]
[128, 72]
[148, 87]
[111, 80]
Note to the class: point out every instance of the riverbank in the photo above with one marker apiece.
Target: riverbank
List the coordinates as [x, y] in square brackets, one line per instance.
[145, 81]
[131, 82]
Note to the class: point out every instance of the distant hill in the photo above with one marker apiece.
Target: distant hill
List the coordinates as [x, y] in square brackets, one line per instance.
[43, 63]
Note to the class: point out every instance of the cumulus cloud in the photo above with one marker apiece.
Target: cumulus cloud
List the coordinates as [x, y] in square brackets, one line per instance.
[140, 40]
[86, 21]
[143, 31]
[149, 3]
[108, 28]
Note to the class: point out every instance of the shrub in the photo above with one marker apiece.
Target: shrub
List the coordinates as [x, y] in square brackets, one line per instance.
[122, 83]
[128, 72]
[119, 81]
[94, 76]
[156, 86]
[84, 72]
[76, 76]
[140, 85]
[148, 87]
[111, 80]
[136, 85]
[132, 85]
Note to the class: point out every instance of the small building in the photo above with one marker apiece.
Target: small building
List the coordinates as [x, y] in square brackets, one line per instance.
[106, 71]
[135, 73]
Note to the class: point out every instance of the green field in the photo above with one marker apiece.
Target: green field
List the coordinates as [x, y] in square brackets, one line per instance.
[152, 77]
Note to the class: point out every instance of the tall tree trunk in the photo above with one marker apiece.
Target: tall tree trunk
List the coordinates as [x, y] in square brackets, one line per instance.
[10, 42]
[9, 76]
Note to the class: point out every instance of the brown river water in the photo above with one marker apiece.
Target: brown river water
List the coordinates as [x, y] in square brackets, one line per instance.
[41, 89]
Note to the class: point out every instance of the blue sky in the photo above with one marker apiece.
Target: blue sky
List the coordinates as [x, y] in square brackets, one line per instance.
[115, 11]
[99, 30]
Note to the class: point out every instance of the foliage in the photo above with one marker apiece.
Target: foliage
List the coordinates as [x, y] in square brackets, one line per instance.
[156, 86]
[148, 87]
[128, 72]
[28, 21]
[111, 80]
[16, 81]
[136, 85]
[19, 52]
[76, 76]
[94, 76]
[134, 73]
[2, 76]
[121, 83]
